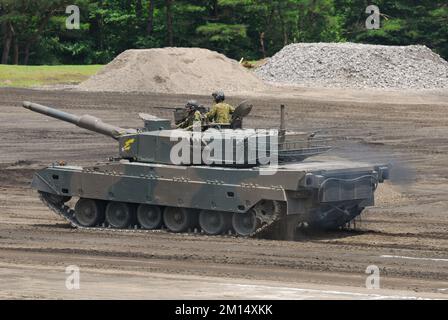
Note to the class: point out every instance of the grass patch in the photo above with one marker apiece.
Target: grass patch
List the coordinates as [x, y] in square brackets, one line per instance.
[34, 76]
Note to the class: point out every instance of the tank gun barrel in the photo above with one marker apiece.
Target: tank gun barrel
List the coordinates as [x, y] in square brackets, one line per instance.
[86, 121]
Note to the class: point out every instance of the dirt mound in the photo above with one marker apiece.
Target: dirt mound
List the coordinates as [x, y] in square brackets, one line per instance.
[173, 70]
[351, 65]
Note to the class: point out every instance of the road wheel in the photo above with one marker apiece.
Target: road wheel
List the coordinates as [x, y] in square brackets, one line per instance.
[214, 222]
[245, 223]
[89, 212]
[119, 215]
[149, 217]
[179, 219]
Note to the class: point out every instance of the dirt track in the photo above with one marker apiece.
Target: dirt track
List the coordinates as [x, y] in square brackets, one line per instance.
[409, 221]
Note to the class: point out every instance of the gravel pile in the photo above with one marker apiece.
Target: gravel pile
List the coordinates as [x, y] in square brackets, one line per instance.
[173, 70]
[350, 65]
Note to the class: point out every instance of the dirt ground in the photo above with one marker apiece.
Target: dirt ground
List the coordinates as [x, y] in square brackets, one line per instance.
[405, 234]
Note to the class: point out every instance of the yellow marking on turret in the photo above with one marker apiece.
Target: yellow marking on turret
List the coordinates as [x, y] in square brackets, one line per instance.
[128, 143]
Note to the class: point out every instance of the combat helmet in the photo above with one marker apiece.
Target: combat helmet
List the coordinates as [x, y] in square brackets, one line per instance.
[218, 96]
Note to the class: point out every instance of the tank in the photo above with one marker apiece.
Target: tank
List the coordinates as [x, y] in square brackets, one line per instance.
[149, 187]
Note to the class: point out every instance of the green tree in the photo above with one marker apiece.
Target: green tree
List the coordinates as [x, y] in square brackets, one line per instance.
[23, 24]
[318, 21]
[34, 31]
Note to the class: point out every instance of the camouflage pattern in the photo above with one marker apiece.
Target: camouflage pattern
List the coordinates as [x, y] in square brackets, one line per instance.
[220, 113]
[226, 189]
[245, 199]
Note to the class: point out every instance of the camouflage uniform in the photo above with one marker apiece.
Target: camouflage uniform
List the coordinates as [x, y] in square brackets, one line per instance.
[192, 117]
[220, 113]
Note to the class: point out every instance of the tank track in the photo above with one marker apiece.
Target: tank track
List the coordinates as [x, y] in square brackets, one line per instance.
[270, 225]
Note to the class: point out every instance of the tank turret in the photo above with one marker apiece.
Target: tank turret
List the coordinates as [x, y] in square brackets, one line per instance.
[211, 144]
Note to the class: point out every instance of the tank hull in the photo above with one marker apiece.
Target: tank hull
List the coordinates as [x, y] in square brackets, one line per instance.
[315, 194]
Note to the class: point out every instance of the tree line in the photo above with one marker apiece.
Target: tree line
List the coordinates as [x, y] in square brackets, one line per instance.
[34, 32]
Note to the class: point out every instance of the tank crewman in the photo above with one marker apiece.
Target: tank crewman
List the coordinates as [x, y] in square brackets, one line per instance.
[221, 111]
[193, 115]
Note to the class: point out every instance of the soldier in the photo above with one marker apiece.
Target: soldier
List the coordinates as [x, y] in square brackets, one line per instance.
[193, 115]
[221, 111]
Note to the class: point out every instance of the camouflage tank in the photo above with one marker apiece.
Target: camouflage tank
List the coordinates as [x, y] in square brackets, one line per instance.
[146, 188]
